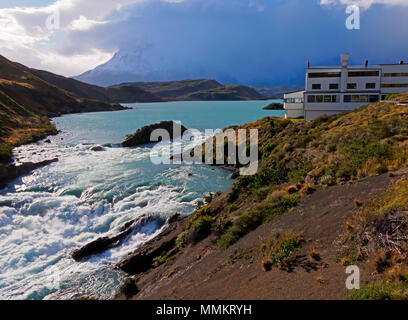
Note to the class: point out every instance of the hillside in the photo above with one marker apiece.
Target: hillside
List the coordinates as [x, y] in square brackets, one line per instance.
[175, 90]
[276, 91]
[121, 94]
[227, 92]
[27, 102]
[328, 193]
[196, 90]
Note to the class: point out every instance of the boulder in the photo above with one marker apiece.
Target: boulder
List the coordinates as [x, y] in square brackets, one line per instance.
[97, 148]
[142, 136]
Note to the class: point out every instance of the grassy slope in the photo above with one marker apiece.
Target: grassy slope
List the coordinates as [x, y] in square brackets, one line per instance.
[297, 158]
[121, 94]
[26, 102]
[307, 155]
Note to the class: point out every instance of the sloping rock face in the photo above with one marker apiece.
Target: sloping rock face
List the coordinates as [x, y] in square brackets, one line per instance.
[142, 259]
[11, 172]
[142, 136]
[104, 243]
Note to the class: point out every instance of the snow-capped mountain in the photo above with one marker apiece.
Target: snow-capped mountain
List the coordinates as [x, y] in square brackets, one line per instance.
[146, 64]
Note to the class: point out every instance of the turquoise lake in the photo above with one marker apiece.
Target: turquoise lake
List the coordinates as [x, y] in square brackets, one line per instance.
[44, 216]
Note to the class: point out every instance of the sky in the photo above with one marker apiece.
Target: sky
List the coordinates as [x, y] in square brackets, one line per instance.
[260, 42]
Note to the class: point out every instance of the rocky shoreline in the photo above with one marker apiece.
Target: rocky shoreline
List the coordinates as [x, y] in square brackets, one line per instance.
[11, 171]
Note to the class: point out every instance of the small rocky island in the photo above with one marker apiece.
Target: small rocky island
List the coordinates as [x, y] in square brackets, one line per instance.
[142, 135]
[274, 106]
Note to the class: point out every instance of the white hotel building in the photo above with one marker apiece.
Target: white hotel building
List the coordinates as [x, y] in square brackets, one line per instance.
[332, 90]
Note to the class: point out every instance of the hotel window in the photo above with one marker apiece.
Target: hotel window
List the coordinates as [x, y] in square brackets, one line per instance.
[347, 98]
[311, 99]
[363, 98]
[355, 99]
[334, 86]
[395, 74]
[364, 73]
[316, 86]
[351, 85]
[374, 98]
[319, 99]
[394, 85]
[327, 99]
[324, 75]
[370, 85]
[298, 100]
[335, 99]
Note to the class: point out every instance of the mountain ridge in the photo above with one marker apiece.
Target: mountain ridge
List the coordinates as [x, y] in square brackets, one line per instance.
[196, 90]
[27, 102]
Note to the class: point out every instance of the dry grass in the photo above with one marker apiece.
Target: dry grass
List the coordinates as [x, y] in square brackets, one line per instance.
[292, 189]
[307, 189]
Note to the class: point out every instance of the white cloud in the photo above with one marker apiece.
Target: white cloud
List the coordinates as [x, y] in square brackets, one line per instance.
[26, 37]
[365, 4]
[83, 24]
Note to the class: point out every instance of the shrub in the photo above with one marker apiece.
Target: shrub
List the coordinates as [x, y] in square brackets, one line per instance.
[326, 180]
[266, 265]
[262, 193]
[274, 174]
[379, 128]
[299, 172]
[307, 189]
[358, 153]
[198, 228]
[233, 207]
[283, 246]
[292, 189]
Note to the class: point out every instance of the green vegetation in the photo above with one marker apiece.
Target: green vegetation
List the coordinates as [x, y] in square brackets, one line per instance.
[197, 228]
[298, 157]
[256, 215]
[379, 234]
[283, 246]
[379, 291]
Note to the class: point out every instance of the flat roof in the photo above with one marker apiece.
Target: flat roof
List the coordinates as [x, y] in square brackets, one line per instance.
[370, 66]
[363, 67]
[301, 91]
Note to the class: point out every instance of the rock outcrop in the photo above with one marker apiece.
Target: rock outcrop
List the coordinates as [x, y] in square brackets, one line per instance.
[104, 243]
[11, 172]
[142, 259]
[142, 136]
